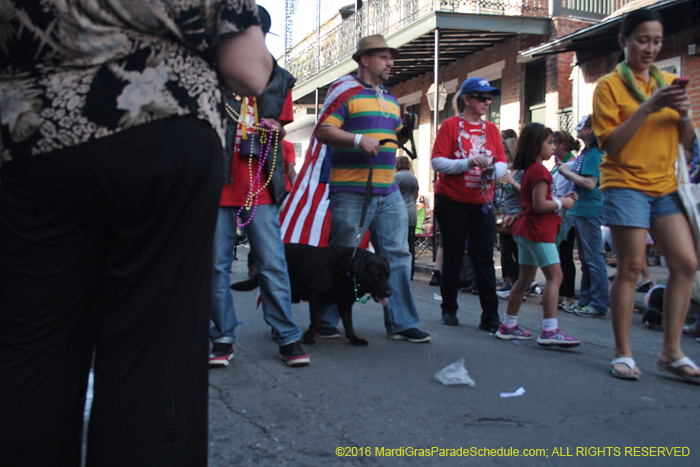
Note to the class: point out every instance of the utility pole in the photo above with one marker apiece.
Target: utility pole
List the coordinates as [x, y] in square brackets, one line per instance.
[290, 7]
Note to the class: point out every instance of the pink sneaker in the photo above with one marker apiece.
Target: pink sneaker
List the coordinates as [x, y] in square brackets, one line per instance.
[504, 332]
[556, 337]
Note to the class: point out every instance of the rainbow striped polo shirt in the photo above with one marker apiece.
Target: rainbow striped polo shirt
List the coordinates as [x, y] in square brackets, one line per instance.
[363, 114]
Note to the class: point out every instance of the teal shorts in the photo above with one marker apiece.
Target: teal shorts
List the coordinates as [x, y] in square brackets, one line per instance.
[536, 254]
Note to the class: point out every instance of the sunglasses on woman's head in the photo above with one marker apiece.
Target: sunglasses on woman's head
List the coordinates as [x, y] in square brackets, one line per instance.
[482, 98]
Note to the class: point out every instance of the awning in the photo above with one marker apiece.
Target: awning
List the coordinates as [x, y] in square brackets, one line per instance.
[601, 38]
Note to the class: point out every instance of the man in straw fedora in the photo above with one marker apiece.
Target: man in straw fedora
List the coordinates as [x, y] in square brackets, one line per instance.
[359, 112]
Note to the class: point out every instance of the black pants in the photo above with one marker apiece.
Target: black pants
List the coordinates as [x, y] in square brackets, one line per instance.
[105, 248]
[459, 221]
[568, 268]
[509, 258]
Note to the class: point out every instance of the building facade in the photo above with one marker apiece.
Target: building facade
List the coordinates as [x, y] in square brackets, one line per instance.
[520, 46]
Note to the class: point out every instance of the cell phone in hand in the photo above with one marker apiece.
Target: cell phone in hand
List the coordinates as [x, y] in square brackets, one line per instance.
[680, 82]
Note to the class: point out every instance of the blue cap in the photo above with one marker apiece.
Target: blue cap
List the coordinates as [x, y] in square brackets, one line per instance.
[582, 123]
[478, 85]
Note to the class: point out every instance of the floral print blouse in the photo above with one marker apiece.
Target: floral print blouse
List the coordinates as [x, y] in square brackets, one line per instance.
[75, 70]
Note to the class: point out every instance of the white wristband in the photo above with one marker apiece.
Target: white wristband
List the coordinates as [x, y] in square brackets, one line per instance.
[558, 205]
[358, 137]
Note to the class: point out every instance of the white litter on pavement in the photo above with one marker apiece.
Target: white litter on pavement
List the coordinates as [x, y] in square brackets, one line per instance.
[437, 297]
[453, 374]
[518, 392]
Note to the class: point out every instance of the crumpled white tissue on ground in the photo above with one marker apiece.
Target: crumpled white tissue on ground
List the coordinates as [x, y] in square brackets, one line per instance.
[455, 373]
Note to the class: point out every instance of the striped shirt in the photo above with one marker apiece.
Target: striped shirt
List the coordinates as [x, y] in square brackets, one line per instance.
[371, 113]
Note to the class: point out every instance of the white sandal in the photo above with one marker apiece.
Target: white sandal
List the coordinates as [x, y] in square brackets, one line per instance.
[629, 362]
[674, 368]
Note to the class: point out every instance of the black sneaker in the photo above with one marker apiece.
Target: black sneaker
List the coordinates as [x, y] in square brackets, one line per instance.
[246, 285]
[411, 335]
[449, 320]
[435, 280]
[490, 327]
[293, 354]
[505, 288]
[327, 333]
[221, 354]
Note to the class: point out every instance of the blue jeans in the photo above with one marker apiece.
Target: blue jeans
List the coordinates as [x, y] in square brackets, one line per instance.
[594, 274]
[632, 208]
[268, 253]
[387, 219]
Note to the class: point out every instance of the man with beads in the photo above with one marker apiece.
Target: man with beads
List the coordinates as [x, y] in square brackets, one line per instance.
[354, 132]
[249, 201]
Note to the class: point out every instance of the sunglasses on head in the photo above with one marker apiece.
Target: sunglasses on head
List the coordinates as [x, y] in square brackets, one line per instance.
[482, 98]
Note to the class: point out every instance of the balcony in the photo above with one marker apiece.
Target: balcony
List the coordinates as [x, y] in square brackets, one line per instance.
[493, 20]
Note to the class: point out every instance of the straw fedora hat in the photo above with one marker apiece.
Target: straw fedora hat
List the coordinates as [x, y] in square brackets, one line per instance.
[370, 43]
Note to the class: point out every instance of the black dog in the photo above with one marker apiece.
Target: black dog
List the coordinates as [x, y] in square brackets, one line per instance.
[653, 315]
[331, 276]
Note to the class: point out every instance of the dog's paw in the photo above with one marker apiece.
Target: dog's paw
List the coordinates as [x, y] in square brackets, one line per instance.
[357, 342]
[652, 318]
[309, 338]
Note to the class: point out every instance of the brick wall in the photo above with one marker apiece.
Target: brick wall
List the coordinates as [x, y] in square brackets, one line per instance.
[562, 63]
[559, 85]
[512, 93]
[513, 74]
[559, 71]
[674, 46]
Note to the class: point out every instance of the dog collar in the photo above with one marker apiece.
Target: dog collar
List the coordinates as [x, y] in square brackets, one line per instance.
[354, 286]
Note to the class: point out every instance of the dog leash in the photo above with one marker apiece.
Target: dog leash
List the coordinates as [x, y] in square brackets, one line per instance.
[368, 195]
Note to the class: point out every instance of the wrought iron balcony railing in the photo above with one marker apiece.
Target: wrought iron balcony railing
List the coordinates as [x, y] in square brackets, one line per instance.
[321, 51]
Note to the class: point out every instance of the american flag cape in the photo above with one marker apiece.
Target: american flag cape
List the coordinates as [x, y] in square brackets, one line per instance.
[305, 215]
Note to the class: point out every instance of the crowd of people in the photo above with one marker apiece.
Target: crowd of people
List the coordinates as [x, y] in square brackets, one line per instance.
[116, 236]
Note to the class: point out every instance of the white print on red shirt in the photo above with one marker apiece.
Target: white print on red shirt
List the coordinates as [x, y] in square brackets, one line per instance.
[472, 178]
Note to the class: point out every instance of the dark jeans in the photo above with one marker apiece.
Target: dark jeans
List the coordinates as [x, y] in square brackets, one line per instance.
[459, 221]
[509, 258]
[106, 248]
[568, 268]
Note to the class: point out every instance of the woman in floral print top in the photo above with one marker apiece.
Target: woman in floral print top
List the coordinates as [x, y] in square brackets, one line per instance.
[110, 141]
[74, 71]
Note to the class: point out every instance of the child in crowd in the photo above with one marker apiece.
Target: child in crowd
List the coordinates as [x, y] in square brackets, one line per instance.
[565, 148]
[534, 231]
[510, 183]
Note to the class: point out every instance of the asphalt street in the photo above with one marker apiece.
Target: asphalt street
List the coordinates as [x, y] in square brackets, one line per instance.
[377, 405]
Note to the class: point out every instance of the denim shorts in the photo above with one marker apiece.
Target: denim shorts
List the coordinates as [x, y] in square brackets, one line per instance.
[536, 254]
[631, 208]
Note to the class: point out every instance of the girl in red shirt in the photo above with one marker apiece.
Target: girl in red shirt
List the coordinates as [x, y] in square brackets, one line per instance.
[534, 231]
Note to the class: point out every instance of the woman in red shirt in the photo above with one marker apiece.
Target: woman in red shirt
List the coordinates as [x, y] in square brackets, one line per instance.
[467, 155]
